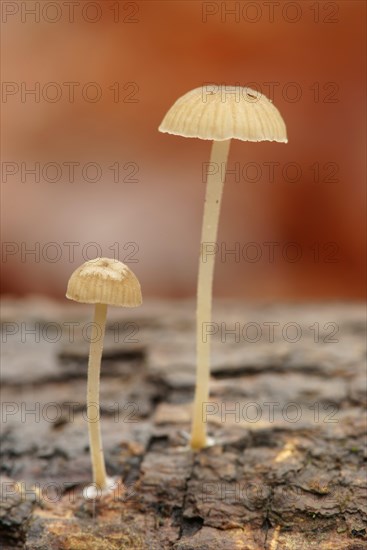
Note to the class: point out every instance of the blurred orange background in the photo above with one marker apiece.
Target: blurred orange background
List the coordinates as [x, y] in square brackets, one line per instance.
[141, 56]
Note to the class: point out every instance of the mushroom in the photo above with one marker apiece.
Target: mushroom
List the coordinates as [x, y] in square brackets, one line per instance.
[217, 113]
[102, 282]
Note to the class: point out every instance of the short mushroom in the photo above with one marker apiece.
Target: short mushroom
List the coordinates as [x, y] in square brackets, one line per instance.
[102, 282]
[217, 113]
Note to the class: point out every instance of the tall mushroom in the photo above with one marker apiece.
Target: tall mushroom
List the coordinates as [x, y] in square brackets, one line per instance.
[217, 113]
[102, 282]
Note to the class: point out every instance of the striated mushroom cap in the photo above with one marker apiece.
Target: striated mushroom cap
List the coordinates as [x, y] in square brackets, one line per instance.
[225, 112]
[104, 281]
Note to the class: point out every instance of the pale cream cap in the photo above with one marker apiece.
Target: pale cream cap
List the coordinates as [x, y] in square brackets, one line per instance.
[104, 281]
[225, 112]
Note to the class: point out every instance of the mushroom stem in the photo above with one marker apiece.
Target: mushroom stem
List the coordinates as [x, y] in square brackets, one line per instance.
[214, 190]
[94, 367]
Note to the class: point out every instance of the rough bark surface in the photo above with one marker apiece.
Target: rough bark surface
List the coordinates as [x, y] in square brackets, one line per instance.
[287, 413]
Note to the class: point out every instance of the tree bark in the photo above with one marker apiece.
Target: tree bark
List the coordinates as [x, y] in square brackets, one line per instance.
[287, 412]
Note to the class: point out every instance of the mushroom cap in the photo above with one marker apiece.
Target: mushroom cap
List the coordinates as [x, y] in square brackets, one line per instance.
[104, 281]
[225, 112]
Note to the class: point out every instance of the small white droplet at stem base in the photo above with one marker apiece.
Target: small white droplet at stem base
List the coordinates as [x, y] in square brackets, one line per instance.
[93, 492]
[213, 197]
[209, 441]
[93, 408]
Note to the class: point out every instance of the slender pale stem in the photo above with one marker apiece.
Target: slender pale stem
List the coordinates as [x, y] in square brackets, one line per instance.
[214, 190]
[94, 367]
